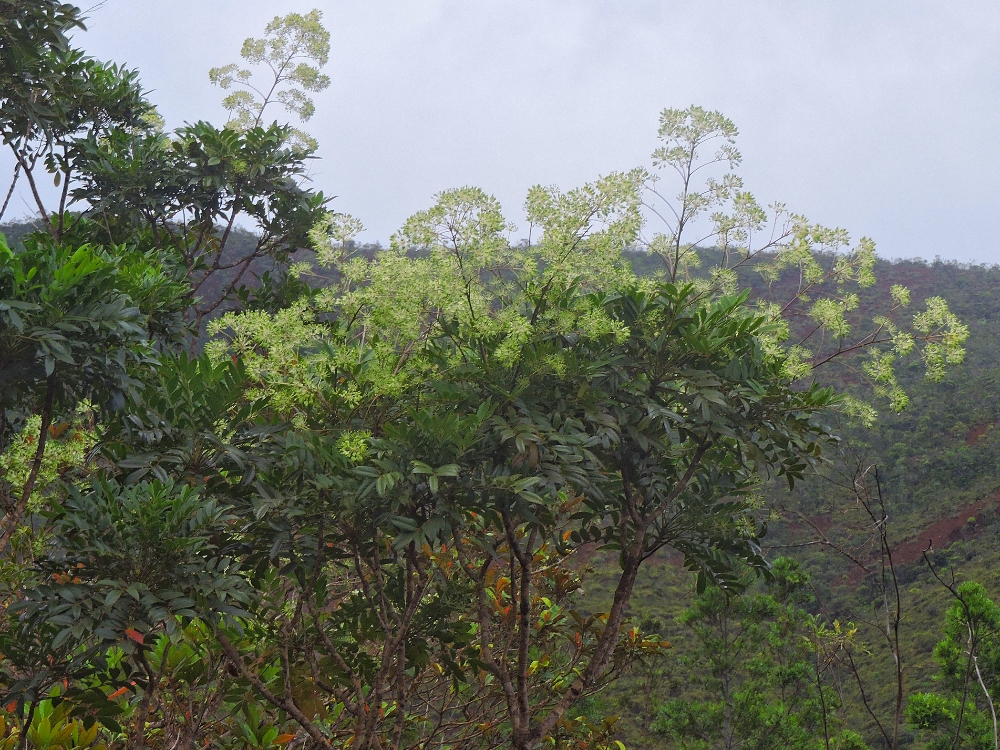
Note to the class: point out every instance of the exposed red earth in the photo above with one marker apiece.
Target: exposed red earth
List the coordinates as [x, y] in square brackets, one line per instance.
[977, 432]
[943, 533]
[938, 536]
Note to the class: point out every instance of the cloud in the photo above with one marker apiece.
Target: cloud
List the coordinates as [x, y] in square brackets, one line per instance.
[879, 117]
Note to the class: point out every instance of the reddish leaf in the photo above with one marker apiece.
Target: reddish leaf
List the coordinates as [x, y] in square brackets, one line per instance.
[135, 635]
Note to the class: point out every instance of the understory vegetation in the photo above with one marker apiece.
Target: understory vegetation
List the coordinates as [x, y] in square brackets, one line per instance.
[680, 470]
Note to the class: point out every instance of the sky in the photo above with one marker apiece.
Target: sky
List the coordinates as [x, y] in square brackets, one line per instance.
[877, 116]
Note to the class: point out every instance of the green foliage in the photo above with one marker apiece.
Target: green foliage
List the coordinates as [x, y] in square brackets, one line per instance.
[70, 331]
[762, 666]
[50, 87]
[32, 30]
[661, 406]
[142, 558]
[969, 659]
[88, 127]
[52, 727]
[175, 193]
[126, 564]
[357, 518]
[290, 44]
[651, 428]
[195, 422]
[818, 303]
[67, 312]
[65, 451]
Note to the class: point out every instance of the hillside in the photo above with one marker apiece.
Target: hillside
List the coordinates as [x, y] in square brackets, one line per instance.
[939, 468]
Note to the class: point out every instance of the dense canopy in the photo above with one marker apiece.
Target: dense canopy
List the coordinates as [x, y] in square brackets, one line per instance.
[264, 486]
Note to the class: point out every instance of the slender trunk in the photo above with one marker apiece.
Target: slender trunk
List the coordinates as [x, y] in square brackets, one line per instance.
[822, 702]
[61, 221]
[289, 707]
[989, 700]
[22, 740]
[38, 200]
[10, 191]
[727, 709]
[633, 556]
[598, 663]
[892, 625]
[142, 713]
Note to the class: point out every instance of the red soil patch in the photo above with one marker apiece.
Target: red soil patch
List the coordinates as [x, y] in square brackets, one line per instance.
[977, 432]
[937, 536]
[941, 534]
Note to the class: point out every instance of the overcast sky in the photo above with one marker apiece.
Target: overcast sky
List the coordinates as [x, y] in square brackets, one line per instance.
[880, 117]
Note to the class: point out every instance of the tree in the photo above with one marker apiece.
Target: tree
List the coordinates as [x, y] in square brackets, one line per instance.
[72, 328]
[354, 519]
[90, 128]
[52, 95]
[675, 445]
[135, 562]
[969, 658]
[90, 308]
[182, 197]
[502, 469]
[819, 304]
[33, 34]
[290, 44]
[764, 668]
[136, 571]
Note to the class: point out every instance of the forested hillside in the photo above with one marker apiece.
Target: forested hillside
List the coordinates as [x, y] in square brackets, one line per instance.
[665, 468]
[939, 469]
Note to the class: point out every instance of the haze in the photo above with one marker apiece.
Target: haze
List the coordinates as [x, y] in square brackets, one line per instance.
[878, 117]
